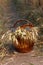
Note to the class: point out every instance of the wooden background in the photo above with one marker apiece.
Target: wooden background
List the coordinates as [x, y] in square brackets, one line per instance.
[33, 2]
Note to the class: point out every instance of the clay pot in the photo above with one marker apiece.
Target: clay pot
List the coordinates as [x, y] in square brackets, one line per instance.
[22, 45]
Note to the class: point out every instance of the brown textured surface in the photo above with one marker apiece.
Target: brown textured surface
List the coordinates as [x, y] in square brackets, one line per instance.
[23, 59]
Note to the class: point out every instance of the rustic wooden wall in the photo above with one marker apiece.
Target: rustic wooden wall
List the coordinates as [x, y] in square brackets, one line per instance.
[33, 2]
[41, 2]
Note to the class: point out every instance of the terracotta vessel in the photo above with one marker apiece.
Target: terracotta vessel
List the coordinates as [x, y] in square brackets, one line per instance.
[22, 37]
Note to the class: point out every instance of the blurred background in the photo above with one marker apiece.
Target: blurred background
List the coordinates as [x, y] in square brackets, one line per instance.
[12, 10]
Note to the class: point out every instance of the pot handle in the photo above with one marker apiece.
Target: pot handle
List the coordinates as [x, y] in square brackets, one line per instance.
[30, 25]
